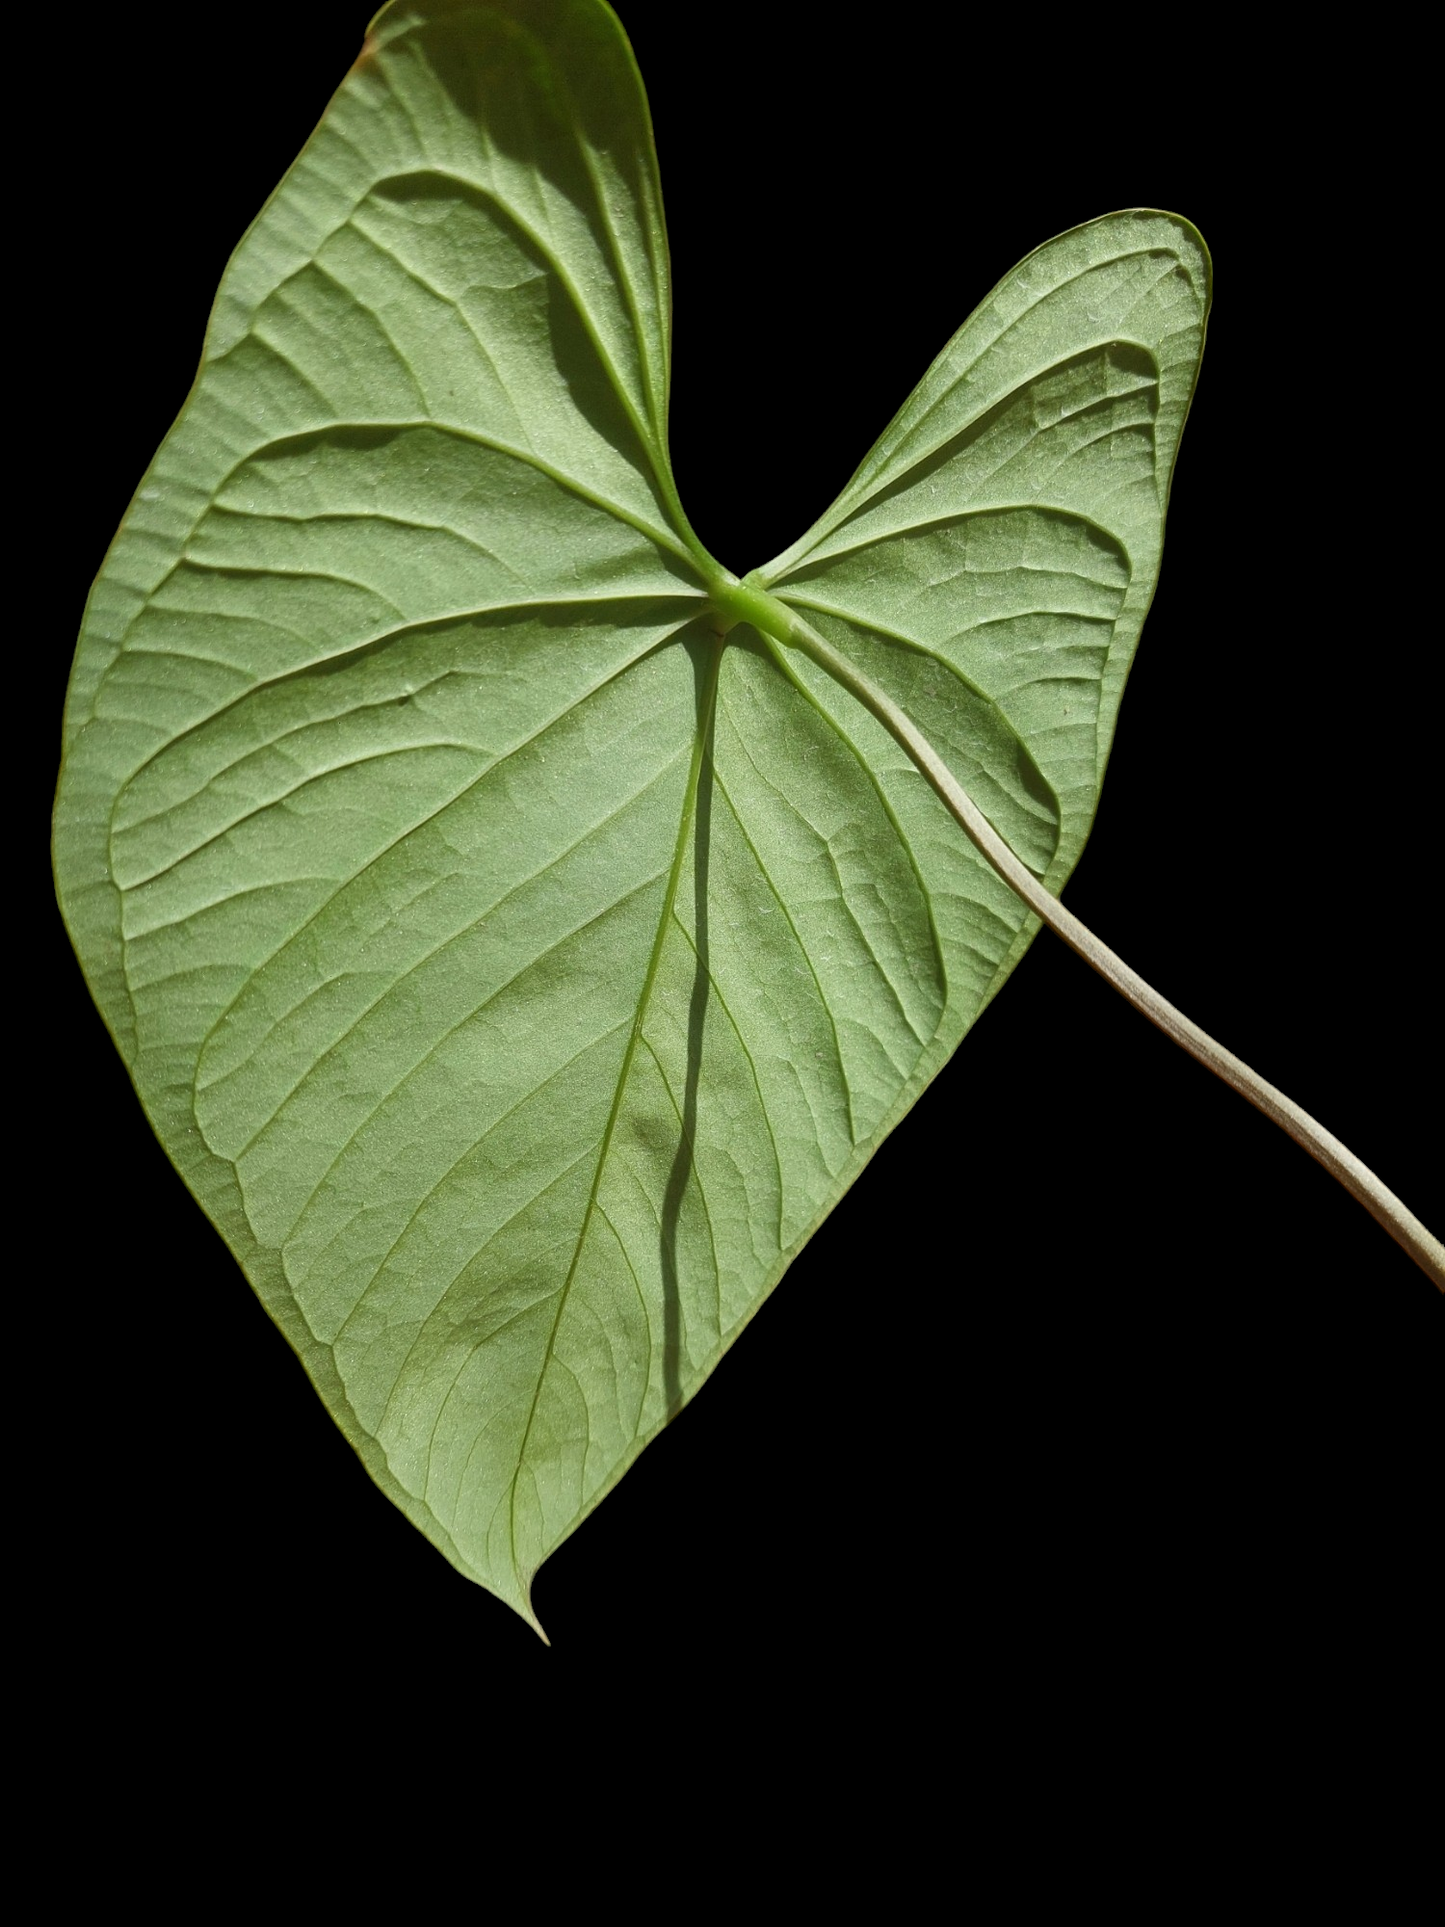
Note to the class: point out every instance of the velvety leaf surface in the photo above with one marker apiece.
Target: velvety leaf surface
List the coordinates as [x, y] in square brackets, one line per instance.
[516, 971]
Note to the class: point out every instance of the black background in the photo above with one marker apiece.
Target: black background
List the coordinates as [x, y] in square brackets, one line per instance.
[1095, 1380]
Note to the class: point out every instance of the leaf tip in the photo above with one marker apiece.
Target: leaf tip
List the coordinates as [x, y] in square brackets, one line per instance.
[526, 1612]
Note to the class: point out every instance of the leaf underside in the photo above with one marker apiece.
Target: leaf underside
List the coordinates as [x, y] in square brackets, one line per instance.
[516, 971]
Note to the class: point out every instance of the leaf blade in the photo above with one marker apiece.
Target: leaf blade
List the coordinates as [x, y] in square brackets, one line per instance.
[803, 807]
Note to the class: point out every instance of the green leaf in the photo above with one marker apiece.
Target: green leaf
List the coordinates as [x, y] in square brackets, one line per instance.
[517, 971]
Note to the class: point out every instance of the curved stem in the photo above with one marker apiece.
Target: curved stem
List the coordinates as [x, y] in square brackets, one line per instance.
[1357, 1178]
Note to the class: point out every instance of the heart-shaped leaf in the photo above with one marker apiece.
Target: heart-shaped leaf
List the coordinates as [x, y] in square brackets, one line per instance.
[517, 949]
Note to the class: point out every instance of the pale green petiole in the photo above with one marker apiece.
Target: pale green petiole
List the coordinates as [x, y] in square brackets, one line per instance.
[783, 626]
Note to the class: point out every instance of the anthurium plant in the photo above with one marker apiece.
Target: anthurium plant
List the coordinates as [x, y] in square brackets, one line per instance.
[520, 927]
